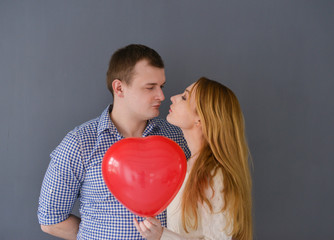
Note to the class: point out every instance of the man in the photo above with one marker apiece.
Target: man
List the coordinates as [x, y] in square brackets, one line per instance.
[135, 78]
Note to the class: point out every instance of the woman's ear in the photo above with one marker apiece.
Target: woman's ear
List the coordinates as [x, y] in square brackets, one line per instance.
[198, 122]
[117, 86]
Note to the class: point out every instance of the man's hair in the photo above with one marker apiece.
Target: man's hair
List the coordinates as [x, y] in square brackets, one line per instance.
[123, 61]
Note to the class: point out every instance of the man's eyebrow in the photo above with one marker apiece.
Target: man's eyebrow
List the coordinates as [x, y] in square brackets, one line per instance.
[153, 84]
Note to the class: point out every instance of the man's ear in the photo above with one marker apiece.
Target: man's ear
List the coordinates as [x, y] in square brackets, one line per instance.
[117, 86]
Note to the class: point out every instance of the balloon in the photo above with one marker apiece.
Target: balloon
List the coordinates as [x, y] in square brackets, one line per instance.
[144, 174]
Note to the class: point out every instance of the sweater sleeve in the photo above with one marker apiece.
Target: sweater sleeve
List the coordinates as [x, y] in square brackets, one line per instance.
[170, 235]
[212, 225]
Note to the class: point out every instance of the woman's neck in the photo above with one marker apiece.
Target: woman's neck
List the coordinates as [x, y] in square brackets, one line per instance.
[195, 141]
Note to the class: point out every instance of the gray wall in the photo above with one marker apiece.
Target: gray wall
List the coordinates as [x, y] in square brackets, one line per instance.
[277, 56]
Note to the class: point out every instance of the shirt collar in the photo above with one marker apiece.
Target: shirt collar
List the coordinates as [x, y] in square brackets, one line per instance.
[106, 123]
[152, 125]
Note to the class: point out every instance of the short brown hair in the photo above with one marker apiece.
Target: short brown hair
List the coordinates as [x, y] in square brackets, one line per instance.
[124, 59]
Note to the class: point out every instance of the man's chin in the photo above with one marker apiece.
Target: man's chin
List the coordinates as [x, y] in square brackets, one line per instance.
[156, 113]
[153, 115]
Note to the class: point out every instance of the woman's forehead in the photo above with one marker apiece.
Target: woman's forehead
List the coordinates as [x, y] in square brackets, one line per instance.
[189, 89]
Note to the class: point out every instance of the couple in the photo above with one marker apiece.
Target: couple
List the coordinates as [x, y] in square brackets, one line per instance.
[215, 199]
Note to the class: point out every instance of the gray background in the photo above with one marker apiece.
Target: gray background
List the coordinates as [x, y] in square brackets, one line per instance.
[277, 56]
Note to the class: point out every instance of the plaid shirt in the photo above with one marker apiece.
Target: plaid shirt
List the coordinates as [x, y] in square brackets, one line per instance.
[75, 173]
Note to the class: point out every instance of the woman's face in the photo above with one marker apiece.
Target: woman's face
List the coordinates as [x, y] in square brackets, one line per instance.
[182, 111]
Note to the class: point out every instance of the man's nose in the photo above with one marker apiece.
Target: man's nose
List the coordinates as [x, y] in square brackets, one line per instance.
[161, 95]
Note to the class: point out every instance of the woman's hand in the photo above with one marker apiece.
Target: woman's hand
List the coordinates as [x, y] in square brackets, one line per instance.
[150, 228]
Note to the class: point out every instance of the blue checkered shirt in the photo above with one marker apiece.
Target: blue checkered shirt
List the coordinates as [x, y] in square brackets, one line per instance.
[75, 173]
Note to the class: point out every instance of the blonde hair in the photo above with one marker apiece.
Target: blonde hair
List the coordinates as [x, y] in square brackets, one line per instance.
[225, 148]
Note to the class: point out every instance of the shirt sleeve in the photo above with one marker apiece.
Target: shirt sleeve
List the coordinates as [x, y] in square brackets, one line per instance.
[61, 183]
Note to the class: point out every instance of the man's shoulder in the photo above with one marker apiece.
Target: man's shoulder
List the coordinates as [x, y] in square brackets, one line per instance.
[164, 124]
[164, 128]
[94, 125]
[86, 128]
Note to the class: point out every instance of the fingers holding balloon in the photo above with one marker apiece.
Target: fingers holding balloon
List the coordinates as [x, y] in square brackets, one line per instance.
[150, 228]
[154, 221]
[153, 225]
[139, 227]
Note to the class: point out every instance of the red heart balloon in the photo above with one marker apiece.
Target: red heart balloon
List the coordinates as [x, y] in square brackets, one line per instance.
[144, 174]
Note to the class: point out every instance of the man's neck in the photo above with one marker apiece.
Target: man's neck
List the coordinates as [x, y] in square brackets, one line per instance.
[126, 125]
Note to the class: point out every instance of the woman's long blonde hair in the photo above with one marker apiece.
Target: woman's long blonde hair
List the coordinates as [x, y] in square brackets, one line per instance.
[225, 148]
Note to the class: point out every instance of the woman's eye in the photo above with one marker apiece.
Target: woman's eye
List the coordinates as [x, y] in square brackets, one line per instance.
[183, 97]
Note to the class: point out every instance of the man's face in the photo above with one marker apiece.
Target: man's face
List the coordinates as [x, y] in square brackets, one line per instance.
[144, 94]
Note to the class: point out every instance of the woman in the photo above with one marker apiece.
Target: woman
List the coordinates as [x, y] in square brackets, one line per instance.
[215, 199]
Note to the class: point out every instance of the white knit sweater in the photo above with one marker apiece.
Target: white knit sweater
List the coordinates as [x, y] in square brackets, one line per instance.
[210, 225]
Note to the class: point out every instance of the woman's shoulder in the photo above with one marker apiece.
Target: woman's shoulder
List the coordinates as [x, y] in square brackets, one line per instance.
[217, 181]
[214, 192]
[214, 222]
